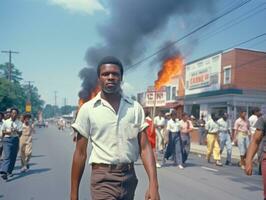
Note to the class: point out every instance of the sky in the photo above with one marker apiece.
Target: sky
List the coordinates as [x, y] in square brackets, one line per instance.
[57, 38]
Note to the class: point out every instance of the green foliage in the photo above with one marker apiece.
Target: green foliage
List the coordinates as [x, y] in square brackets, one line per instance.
[15, 73]
[14, 94]
[50, 111]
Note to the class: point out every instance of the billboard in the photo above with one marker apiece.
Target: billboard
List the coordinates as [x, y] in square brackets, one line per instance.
[203, 75]
[155, 97]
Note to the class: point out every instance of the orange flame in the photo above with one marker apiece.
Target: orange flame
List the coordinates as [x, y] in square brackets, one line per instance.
[171, 67]
[93, 94]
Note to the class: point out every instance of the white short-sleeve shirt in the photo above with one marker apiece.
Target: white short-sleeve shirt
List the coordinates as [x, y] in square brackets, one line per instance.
[9, 125]
[173, 125]
[114, 136]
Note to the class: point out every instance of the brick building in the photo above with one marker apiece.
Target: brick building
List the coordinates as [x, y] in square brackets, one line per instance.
[227, 81]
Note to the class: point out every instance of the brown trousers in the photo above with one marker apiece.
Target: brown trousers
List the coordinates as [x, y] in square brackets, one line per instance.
[113, 184]
[25, 145]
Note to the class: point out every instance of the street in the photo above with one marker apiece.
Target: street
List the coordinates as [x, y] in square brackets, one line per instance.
[49, 176]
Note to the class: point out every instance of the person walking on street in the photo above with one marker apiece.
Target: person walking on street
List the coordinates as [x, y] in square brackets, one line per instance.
[25, 143]
[159, 123]
[186, 128]
[225, 137]
[152, 136]
[213, 146]
[174, 147]
[259, 138]
[116, 128]
[11, 130]
[202, 130]
[241, 129]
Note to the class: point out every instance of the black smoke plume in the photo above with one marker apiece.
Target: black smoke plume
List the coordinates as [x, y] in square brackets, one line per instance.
[130, 24]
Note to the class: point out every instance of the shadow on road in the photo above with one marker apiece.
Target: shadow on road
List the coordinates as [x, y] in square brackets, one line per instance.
[38, 156]
[30, 172]
[1, 196]
[18, 166]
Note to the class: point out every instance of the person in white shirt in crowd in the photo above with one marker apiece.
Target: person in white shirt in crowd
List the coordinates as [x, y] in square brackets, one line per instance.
[225, 137]
[11, 130]
[186, 128]
[159, 123]
[174, 147]
[25, 142]
[213, 146]
[1, 142]
[253, 119]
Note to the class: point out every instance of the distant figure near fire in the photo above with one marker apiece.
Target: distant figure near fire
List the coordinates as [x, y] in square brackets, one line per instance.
[116, 128]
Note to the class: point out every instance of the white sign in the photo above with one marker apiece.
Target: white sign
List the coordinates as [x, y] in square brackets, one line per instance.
[203, 75]
[160, 98]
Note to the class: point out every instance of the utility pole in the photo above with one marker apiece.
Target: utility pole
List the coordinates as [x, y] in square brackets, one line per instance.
[29, 90]
[55, 98]
[10, 62]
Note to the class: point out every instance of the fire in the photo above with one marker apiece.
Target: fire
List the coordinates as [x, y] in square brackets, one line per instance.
[171, 67]
[93, 94]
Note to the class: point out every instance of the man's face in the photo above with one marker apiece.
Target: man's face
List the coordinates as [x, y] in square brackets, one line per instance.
[243, 115]
[7, 115]
[110, 78]
[14, 114]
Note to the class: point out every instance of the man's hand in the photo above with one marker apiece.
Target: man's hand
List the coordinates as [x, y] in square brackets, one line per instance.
[249, 168]
[152, 193]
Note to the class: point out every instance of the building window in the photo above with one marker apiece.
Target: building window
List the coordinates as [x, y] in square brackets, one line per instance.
[173, 93]
[227, 75]
[168, 93]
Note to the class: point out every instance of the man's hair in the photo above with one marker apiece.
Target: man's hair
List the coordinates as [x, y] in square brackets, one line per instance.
[14, 108]
[256, 109]
[110, 60]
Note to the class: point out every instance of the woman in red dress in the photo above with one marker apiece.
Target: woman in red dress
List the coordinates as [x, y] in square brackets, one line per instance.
[152, 136]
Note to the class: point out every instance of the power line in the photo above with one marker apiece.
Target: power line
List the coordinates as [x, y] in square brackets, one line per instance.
[190, 33]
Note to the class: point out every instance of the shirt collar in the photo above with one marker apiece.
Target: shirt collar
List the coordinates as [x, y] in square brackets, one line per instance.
[97, 99]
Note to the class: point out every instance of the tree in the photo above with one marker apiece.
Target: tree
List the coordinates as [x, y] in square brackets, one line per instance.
[14, 94]
[15, 73]
[66, 110]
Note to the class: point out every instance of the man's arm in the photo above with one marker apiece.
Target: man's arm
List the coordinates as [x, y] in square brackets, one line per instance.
[148, 160]
[252, 149]
[78, 165]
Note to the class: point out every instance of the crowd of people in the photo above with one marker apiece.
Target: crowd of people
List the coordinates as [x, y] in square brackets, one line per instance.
[170, 136]
[15, 136]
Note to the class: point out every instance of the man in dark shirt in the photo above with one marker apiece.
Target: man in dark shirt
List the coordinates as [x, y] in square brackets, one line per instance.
[259, 137]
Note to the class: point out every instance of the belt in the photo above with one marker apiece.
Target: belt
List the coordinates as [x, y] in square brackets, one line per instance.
[120, 166]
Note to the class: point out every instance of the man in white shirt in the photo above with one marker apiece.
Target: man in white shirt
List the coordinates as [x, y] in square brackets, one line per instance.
[11, 129]
[115, 126]
[225, 137]
[174, 147]
[159, 123]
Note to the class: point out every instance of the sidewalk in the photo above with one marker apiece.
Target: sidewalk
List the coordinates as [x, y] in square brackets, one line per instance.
[202, 149]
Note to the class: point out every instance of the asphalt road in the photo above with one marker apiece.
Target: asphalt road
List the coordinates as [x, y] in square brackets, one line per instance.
[49, 176]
